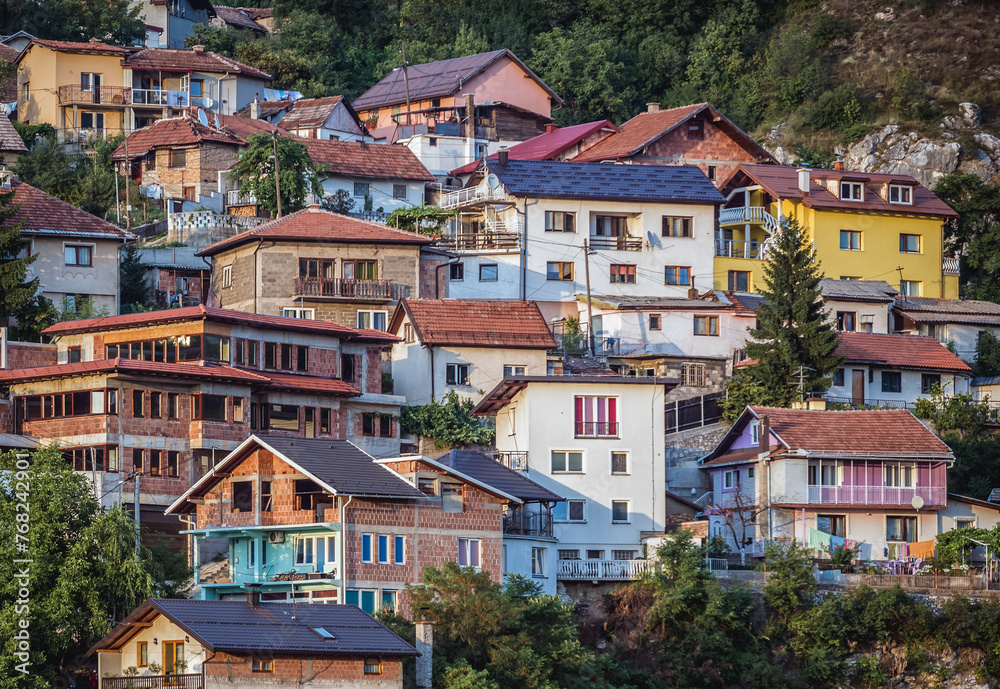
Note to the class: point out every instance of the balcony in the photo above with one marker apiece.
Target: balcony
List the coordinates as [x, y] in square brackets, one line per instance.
[233, 198]
[732, 248]
[748, 215]
[153, 682]
[472, 196]
[482, 242]
[877, 495]
[75, 94]
[158, 98]
[949, 266]
[341, 288]
[518, 461]
[602, 570]
[616, 243]
[522, 523]
[596, 429]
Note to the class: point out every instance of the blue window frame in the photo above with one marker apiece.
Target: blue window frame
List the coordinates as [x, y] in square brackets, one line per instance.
[383, 549]
[366, 547]
[399, 550]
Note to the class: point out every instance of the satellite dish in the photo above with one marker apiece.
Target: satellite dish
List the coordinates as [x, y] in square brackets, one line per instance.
[917, 502]
[217, 125]
[492, 181]
[654, 239]
[208, 102]
[202, 118]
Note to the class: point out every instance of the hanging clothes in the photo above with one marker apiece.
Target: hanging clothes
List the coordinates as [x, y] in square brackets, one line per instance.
[922, 548]
[837, 542]
[819, 539]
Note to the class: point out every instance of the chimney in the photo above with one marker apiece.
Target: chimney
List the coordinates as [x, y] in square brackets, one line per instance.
[652, 107]
[470, 127]
[838, 165]
[253, 595]
[425, 646]
[764, 434]
[549, 128]
[198, 49]
[502, 156]
[255, 109]
[804, 179]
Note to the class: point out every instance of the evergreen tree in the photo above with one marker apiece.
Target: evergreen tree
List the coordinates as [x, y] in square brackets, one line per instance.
[134, 290]
[794, 335]
[987, 354]
[15, 257]
[254, 173]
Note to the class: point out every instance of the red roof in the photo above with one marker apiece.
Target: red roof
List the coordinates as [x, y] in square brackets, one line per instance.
[8, 53]
[175, 131]
[176, 60]
[311, 112]
[475, 323]
[238, 17]
[10, 140]
[900, 351]
[546, 146]
[91, 46]
[314, 224]
[45, 214]
[243, 127]
[357, 159]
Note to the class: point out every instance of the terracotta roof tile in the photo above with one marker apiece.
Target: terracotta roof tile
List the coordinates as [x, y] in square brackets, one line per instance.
[357, 159]
[310, 112]
[476, 323]
[8, 53]
[258, 12]
[238, 17]
[900, 351]
[175, 131]
[93, 46]
[314, 224]
[176, 60]
[45, 214]
[639, 131]
[10, 140]
[243, 127]
[546, 146]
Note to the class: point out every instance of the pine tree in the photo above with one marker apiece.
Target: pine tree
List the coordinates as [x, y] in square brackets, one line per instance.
[794, 336]
[15, 257]
[134, 290]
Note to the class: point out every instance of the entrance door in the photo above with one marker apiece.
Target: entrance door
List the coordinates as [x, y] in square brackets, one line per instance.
[857, 386]
[173, 658]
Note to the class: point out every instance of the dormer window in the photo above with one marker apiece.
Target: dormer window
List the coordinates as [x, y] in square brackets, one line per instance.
[900, 193]
[852, 191]
[754, 432]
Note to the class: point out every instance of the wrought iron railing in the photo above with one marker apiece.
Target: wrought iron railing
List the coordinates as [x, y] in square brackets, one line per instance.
[596, 429]
[694, 412]
[518, 461]
[616, 243]
[343, 288]
[153, 682]
[522, 523]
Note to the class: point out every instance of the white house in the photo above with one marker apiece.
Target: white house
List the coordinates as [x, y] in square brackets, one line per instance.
[647, 229]
[948, 320]
[862, 306]
[598, 442]
[170, 22]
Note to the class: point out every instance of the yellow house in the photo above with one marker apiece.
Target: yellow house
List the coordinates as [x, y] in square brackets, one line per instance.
[863, 226]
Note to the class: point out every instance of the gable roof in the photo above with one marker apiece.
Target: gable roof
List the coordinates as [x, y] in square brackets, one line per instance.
[91, 47]
[899, 351]
[313, 112]
[782, 182]
[245, 126]
[507, 389]
[502, 323]
[8, 53]
[238, 17]
[268, 108]
[857, 290]
[236, 627]
[492, 473]
[545, 146]
[44, 214]
[364, 160]
[338, 466]
[605, 181]
[436, 79]
[173, 131]
[648, 127]
[10, 140]
[931, 310]
[314, 224]
[178, 60]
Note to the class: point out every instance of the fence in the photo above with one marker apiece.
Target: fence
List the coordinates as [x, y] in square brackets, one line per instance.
[602, 570]
[909, 582]
[523, 523]
[343, 288]
[694, 412]
[153, 682]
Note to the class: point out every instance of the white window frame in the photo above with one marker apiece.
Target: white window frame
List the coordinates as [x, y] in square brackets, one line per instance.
[296, 312]
[364, 187]
[731, 479]
[464, 544]
[906, 288]
[567, 470]
[514, 370]
[399, 550]
[852, 187]
[457, 368]
[538, 562]
[900, 475]
[227, 275]
[628, 511]
[901, 191]
[495, 266]
[383, 538]
[311, 544]
[371, 549]
[628, 462]
[371, 314]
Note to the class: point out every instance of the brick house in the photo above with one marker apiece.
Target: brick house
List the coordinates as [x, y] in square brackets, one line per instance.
[692, 135]
[325, 518]
[168, 393]
[241, 642]
[318, 264]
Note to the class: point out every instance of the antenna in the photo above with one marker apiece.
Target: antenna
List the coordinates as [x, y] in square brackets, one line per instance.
[202, 118]
[217, 125]
[802, 381]
[492, 181]
[654, 239]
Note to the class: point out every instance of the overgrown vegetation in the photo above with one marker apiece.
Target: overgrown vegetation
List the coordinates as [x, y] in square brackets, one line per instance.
[449, 422]
[254, 173]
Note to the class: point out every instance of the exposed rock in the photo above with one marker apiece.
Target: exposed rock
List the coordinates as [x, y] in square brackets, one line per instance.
[776, 132]
[889, 150]
[970, 114]
[785, 157]
[887, 14]
[981, 165]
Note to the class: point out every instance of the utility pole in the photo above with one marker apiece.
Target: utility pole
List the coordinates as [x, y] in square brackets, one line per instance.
[900, 269]
[128, 171]
[406, 84]
[135, 498]
[277, 177]
[590, 308]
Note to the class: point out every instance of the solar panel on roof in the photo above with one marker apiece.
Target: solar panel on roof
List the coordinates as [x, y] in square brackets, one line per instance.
[323, 633]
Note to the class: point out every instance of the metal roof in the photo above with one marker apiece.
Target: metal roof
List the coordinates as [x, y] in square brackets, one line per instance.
[480, 467]
[857, 290]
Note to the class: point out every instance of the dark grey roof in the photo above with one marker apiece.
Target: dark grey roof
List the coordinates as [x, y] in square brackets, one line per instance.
[747, 301]
[605, 181]
[992, 380]
[952, 306]
[857, 290]
[480, 467]
[235, 626]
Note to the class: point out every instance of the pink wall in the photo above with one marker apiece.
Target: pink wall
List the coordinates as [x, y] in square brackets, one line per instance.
[505, 81]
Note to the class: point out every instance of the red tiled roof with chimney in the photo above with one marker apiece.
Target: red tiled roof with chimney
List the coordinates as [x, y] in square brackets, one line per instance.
[900, 351]
[176, 60]
[476, 323]
[357, 159]
[45, 214]
[174, 131]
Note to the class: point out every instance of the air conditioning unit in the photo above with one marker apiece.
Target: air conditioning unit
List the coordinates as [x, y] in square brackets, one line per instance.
[276, 537]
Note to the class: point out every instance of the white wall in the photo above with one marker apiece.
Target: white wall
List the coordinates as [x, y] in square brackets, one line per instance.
[879, 314]
[450, 152]
[676, 335]
[911, 383]
[381, 192]
[517, 560]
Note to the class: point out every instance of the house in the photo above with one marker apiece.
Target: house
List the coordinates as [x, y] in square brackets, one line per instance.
[170, 22]
[264, 16]
[696, 135]
[176, 277]
[238, 19]
[854, 220]
[949, 321]
[876, 478]
[465, 346]
[17, 41]
[326, 521]
[330, 118]
[77, 252]
[859, 305]
[199, 643]
[318, 264]
[894, 370]
[11, 144]
[597, 441]
[267, 110]
[169, 393]
[523, 226]
[429, 108]
[386, 177]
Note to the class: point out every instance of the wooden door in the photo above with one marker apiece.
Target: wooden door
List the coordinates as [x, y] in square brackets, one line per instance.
[857, 386]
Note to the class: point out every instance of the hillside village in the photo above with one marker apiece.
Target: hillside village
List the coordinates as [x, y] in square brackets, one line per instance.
[449, 332]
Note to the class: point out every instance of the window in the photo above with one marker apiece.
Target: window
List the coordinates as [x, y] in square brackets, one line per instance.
[901, 529]
[243, 496]
[696, 129]
[261, 665]
[929, 381]
[850, 240]
[138, 463]
[564, 462]
[654, 321]
[570, 511]
[892, 381]
[693, 375]
[366, 547]
[833, 524]
[457, 374]
[347, 367]
[210, 408]
[489, 272]
[154, 462]
[362, 189]
[388, 600]
[73, 355]
[281, 417]
[568, 554]
[362, 598]
[383, 549]
[376, 425]
[27, 91]
[910, 288]
[706, 325]
[295, 312]
[178, 158]
[595, 554]
[852, 191]
[622, 274]
[619, 462]
[197, 88]
[265, 502]
[286, 357]
[409, 336]
[238, 410]
[711, 172]
[559, 270]
[596, 417]
[77, 255]
[142, 654]
[469, 552]
[909, 243]
[846, 321]
[610, 226]
[556, 221]
[189, 348]
[456, 272]
[399, 550]
[965, 523]
[91, 120]
[304, 550]
[138, 406]
[374, 320]
[623, 554]
[900, 193]
[899, 475]
[217, 348]
[324, 421]
[227, 276]
[399, 191]
[675, 226]
[427, 486]
[155, 399]
[113, 401]
[677, 275]
[432, 141]
[451, 497]
[373, 666]
[731, 479]
[838, 377]
[619, 511]
[739, 280]
[538, 562]
[173, 405]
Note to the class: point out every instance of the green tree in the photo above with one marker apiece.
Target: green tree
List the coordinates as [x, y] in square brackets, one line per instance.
[50, 167]
[16, 293]
[974, 236]
[423, 219]
[790, 583]
[34, 317]
[134, 288]
[30, 133]
[450, 422]
[254, 173]
[987, 364]
[340, 201]
[118, 22]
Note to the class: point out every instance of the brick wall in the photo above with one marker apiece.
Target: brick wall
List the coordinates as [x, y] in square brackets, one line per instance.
[717, 148]
[6, 416]
[296, 668]
[29, 355]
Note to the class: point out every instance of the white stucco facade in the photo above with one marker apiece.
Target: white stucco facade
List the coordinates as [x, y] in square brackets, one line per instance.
[383, 192]
[867, 317]
[877, 385]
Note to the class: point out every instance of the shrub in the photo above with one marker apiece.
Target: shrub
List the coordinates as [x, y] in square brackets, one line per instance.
[836, 110]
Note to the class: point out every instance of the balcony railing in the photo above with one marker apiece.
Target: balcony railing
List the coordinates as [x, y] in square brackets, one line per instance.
[475, 242]
[596, 429]
[522, 523]
[233, 198]
[949, 266]
[160, 98]
[341, 288]
[470, 196]
[616, 243]
[876, 495]
[748, 215]
[868, 402]
[518, 461]
[732, 248]
[153, 682]
[694, 412]
[93, 95]
[602, 570]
